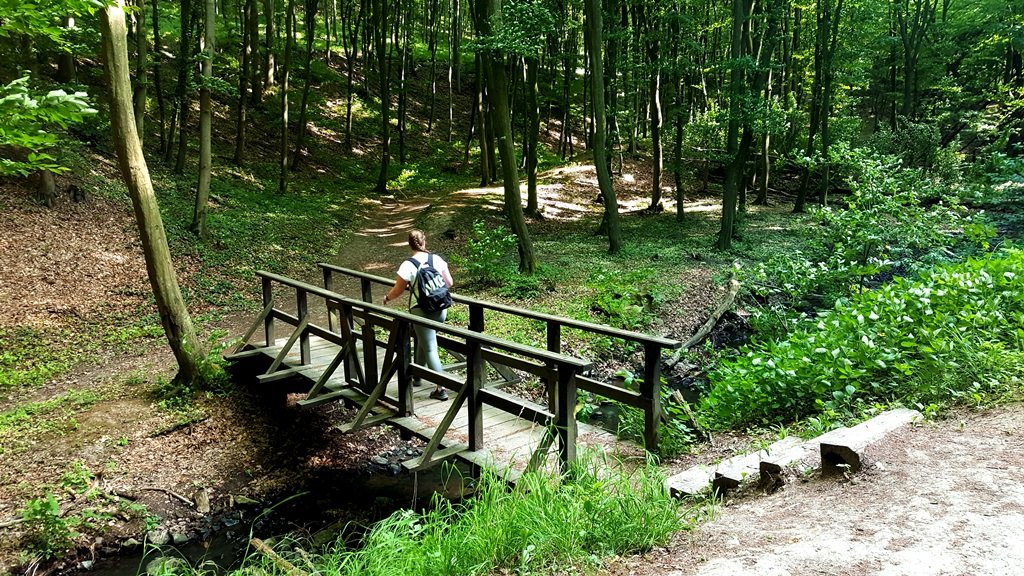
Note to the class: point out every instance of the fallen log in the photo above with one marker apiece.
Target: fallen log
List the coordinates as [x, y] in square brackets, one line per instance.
[733, 288]
[288, 568]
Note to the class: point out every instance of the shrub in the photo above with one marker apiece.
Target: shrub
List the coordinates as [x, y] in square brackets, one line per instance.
[953, 335]
[487, 253]
[49, 535]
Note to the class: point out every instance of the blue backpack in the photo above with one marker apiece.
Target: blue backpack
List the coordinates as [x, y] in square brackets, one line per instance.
[429, 287]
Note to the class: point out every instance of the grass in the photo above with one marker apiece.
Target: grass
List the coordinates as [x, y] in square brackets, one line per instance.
[20, 427]
[31, 357]
[544, 524]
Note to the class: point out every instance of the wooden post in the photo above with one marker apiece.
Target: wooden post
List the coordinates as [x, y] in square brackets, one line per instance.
[345, 320]
[366, 290]
[302, 309]
[651, 391]
[328, 285]
[554, 345]
[476, 317]
[405, 400]
[475, 378]
[268, 323]
[565, 418]
[369, 338]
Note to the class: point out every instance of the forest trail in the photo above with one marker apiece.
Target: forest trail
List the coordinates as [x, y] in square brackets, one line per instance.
[942, 498]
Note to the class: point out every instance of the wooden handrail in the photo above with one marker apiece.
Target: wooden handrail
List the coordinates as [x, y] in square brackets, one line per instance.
[486, 339]
[498, 307]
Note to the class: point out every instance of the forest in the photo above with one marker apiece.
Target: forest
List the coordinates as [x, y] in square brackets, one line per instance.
[822, 199]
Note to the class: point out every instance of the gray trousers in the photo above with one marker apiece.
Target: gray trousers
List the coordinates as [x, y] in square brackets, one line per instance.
[426, 339]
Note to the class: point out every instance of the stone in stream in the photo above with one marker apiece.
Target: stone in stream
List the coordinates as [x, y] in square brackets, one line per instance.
[158, 536]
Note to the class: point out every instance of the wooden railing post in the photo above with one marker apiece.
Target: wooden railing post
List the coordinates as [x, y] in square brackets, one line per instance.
[565, 419]
[476, 318]
[475, 378]
[651, 391]
[405, 400]
[302, 310]
[554, 345]
[268, 323]
[366, 290]
[329, 285]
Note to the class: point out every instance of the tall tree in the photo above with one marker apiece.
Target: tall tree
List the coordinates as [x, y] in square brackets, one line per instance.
[594, 27]
[734, 169]
[245, 76]
[289, 41]
[381, 30]
[205, 124]
[491, 20]
[141, 64]
[177, 323]
[310, 20]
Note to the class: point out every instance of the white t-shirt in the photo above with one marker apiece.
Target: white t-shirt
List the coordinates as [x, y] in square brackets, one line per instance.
[407, 271]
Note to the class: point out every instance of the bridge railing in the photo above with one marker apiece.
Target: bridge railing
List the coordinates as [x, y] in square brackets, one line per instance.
[647, 398]
[478, 348]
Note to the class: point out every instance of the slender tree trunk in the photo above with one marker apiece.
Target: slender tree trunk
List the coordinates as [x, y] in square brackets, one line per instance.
[733, 172]
[310, 20]
[187, 60]
[381, 29]
[269, 77]
[403, 84]
[245, 75]
[66, 69]
[479, 105]
[502, 121]
[181, 103]
[532, 135]
[177, 323]
[141, 77]
[594, 28]
[282, 182]
[205, 126]
[157, 77]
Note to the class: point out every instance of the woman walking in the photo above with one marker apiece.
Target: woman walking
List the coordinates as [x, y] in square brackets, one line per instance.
[426, 338]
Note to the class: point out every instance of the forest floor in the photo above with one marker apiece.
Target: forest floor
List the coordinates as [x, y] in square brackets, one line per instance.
[942, 498]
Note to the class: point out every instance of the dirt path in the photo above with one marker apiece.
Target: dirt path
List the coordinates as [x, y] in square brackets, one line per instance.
[944, 498]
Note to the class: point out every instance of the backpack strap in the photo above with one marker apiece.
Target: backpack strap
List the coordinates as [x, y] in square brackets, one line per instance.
[430, 259]
[416, 264]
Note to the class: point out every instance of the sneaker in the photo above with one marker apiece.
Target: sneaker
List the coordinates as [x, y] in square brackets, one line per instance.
[441, 394]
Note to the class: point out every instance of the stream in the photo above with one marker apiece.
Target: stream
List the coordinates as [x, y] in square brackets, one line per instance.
[328, 506]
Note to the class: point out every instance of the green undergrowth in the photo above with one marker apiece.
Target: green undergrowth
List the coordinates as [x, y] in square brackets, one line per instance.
[21, 427]
[545, 524]
[954, 335]
[30, 357]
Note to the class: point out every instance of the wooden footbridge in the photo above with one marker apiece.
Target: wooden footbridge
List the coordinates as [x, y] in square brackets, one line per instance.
[363, 357]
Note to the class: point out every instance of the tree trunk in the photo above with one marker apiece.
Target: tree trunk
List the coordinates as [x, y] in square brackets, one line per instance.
[403, 32]
[310, 20]
[66, 70]
[157, 77]
[245, 75]
[289, 25]
[532, 135]
[594, 29]
[481, 123]
[734, 171]
[141, 79]
[181, 88]
[268, 56]
[177, 323]
[205, 126]
[502, 122]
[381, 28]
[185, 61]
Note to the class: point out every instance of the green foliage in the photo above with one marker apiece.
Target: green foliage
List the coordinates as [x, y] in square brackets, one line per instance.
[26, 117]
[954, 335]
[488, 254]
[625, 299]
[676, 436]
[20, 426]
[28, 357]
[544, 524]
[49, 534]
[885, 229]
